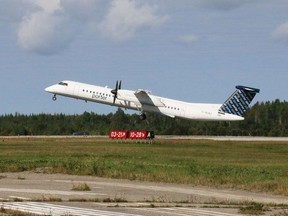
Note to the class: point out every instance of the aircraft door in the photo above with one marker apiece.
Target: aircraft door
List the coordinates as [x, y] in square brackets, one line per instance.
[76, 90]
[182, 111]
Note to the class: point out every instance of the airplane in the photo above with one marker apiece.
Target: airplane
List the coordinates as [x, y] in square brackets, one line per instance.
[143, 101]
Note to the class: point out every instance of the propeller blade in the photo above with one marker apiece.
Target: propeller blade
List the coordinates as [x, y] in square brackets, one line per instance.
[115, 91]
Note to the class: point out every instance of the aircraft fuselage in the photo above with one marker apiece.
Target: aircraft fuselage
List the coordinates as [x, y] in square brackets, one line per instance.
[142, 102]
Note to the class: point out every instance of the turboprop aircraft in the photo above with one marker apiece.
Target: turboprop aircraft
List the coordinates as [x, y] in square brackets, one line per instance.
[143, 101]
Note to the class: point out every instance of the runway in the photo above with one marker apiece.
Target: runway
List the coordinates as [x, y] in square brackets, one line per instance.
[52, 194]
[60, 210]
[225, 138]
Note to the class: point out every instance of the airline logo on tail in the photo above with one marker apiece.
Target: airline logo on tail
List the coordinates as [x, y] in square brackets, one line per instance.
[239, 101]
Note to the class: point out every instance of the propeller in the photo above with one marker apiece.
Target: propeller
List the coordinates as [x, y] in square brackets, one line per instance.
[115, 91]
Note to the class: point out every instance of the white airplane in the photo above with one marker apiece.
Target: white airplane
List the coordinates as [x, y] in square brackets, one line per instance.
[143, 101]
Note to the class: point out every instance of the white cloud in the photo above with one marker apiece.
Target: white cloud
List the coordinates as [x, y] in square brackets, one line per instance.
[281, 32]
[48, 6]
[188, 38]
[125, 17]
[44, 31]
[53, 26]
[48, 27]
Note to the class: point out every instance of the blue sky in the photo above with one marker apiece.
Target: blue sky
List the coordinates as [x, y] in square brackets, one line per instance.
[195, 51]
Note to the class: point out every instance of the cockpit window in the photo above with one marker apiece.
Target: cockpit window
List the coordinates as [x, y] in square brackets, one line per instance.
[63, 83]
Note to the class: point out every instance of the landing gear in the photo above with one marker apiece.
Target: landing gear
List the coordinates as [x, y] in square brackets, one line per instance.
[54, 98]
[142, 116]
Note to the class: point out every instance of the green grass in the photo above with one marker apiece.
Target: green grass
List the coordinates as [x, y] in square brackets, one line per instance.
[257, 166]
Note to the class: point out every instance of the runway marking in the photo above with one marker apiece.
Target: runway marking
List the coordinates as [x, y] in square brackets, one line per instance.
[205, 212]
[185, 211]
[58, 210]
[50, 192]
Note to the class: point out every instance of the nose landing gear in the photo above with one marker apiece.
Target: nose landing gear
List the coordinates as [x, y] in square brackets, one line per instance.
[54, 98]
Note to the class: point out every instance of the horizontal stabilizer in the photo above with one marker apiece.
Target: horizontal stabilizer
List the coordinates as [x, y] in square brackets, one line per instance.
[239, 101]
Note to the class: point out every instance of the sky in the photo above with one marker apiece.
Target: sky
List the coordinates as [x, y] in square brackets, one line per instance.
[190, 50]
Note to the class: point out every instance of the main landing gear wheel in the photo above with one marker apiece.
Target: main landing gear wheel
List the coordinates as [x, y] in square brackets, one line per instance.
[142, 116]
[54, 98]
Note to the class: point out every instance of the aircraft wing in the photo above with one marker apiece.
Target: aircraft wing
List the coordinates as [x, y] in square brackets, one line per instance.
[145, 98]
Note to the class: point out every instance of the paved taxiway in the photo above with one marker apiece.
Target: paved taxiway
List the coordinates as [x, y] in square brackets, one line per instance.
[52, 194]
[225, 138]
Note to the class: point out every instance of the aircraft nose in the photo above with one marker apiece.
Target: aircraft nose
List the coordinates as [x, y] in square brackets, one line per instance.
[49, 89]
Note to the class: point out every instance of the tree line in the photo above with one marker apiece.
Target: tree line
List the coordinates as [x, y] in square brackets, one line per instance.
[262, 119]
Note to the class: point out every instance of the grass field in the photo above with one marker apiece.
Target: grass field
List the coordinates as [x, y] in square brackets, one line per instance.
[254, 166]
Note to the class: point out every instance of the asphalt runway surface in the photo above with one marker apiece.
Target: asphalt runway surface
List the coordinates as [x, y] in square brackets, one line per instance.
[52, 194]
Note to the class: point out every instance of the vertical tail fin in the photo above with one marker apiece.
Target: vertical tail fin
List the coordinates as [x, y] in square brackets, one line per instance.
[239, 101]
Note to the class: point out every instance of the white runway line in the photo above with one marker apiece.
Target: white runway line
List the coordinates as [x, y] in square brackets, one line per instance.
[206, 212]
[57, 210]
[177, 211]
